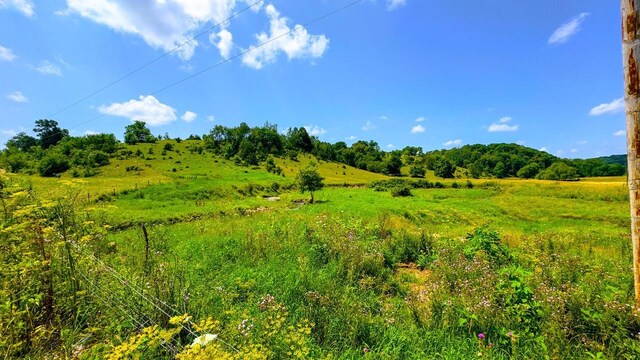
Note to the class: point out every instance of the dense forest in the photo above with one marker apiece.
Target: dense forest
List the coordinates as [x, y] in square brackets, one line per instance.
[53, 151]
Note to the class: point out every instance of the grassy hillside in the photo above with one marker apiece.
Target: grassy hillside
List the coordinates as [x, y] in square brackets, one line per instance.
[540, 268]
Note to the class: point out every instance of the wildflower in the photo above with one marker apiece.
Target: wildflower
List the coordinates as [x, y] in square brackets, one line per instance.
[510, 334]
[204, 339]
[481, 336]
[366, 349]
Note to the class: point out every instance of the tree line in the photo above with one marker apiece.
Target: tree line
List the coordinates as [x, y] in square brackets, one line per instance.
[53, 151]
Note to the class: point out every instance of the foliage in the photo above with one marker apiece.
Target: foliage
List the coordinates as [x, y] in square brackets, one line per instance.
[53, 163]
[394, 164]
[22, 141]
[444, 168]
[49, 132]
[138, 133]
[417, 171]
[529, 171]
[488, 241]
[400, 190]
[558, 171]
[309, 179]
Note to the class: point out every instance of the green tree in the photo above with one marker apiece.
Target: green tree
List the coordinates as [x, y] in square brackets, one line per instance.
[22, 141]
[558, 171]
[444, 168]
[529, 171]
[417, 171]
[53, 163]
[393, 164]
[49, 132]
[299, 139]
[309, 179]
[500, 170]
[138, 133]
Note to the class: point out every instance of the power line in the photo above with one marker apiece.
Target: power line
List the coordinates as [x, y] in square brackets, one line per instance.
[225, 61]
[153, 60]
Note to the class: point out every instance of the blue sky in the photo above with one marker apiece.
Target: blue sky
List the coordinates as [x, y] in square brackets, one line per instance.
[430, 73]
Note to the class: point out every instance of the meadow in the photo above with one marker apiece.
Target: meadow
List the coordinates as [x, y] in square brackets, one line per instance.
[162, 248]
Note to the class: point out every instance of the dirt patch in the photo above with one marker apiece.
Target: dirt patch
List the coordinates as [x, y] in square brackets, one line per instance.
[271, 198]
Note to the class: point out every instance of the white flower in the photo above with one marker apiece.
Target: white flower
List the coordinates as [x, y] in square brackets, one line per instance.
[203, 340]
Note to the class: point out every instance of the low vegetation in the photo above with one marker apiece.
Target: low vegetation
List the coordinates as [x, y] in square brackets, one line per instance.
[189, 249]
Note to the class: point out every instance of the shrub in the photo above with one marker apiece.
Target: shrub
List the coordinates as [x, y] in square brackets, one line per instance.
[417, 171]
[99, 158]
[484, 239]
[401, 190]
[558, 171]
[53, 163]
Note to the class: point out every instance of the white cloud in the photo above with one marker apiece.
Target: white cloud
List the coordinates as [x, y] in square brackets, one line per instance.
[544, 148]
[620, 133]
[502, 125]
[147, 109]
[211, 118]
[162, 24]
[573, 151]
[188, 116]
[520, 142]
[351, 138]
[48, 68]
[295, 44]
[223, 40]
[9, 132]
[418, 129]
[391, 146]
[420, 119]
[394, 4]
[502, 128]
[567, 30]
[456, 142]
[24, 6]
[368, 126]
[315, 130]
[613, 107]
[90, 132]
[6, 54]
[17, 97]
[582, 142]
[384, 117]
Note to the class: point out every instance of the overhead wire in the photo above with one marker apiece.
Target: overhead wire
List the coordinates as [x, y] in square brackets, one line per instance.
[222, 62]
[103, 88]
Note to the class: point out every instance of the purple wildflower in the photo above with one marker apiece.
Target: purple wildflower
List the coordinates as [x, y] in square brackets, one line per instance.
[481, 336]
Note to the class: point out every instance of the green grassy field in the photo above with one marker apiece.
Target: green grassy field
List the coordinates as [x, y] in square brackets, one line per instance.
[540, 269]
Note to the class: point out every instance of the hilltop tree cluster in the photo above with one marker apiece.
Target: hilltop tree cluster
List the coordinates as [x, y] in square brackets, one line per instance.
[53, 151]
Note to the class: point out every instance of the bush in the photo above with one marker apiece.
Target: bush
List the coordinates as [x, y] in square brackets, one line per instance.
[53, 163]
[529, 171]
[558, 171]
[168, 147]
[417, 171]
[401, 190]
[99, 158]
[484, 239]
